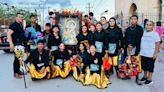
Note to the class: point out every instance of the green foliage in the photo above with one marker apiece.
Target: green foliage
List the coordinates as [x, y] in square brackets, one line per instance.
[8, 13]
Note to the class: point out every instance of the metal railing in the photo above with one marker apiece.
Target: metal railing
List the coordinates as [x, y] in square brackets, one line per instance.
[124, 19]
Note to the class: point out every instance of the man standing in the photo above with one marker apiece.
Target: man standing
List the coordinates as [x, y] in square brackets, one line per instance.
[15, 37]
[92, 18]
[48, 19]
[35, 26]
[132, 39]
[34, 23]
[133, 35]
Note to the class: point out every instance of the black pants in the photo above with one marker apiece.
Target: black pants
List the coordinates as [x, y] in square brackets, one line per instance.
[147, 64]
[107, 72]
[16, 65]
[84, 69]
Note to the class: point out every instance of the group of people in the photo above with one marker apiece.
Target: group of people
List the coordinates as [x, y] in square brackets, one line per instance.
[101, 47]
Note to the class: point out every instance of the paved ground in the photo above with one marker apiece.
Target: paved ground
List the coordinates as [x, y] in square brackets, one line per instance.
[9, 84]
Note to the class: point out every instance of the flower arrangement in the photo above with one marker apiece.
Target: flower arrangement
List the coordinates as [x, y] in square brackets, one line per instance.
[75, 61]
[128, 69]
[68, 11]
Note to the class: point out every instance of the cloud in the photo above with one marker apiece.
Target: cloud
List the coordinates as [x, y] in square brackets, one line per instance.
[55, 6]
[63, 3]
[6, 1]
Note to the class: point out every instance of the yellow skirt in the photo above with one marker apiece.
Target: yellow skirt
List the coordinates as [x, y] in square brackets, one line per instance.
[37, 75]
[138, 61]
[113, 60]
[75, 73]
[99, 80]
[57, 71]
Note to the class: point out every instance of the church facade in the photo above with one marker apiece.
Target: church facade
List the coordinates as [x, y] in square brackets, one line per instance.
[150, 9]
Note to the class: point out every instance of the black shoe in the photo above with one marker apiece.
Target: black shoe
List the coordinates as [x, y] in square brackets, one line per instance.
[143, 79]
[148, 82]
[138, 82]
[126, 78]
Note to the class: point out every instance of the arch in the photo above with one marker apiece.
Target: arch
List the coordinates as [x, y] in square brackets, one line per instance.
[133, 9]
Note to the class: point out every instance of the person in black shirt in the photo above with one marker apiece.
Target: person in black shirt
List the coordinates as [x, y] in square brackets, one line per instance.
[80, 62]
[61, 65]
[35, 26]
[133, 36]
[94, 73]
[85, 37]
[104, 22]
[99, 38]
[92, 28]
[95, 58]
[54, 38]
[15, 37]
[132, 40]
[33, 23]
[61, 53]
[114, 36]
[39, 62]
[82, 52]
[47, 32]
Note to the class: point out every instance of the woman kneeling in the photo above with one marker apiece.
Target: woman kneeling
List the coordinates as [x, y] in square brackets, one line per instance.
[61, 65]
[95, 73]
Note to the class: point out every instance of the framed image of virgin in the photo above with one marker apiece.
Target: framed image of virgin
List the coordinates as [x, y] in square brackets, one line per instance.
[69, 28]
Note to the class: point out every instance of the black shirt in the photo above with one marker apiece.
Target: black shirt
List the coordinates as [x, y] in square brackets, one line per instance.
[81, 37]
[37, 27]
[114, 36]
[46, 33]
[91, 59]
[99, 36]
[133, 36]
[36, 58]
[52, 41]
[45, 36]
[84, 56]
[18, 35]
[60, 55]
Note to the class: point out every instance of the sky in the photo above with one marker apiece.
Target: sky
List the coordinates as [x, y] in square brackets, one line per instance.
[97, 6]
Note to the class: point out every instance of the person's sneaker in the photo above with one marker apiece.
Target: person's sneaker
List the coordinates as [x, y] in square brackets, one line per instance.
[143, 79]
[148, 82]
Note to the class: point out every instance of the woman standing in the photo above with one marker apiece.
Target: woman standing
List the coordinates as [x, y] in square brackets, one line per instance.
[92, 28]
[114, 41]
[149, 50]
[159, 29]
[85, 37]
[99, 38]
[61, 65]
[54, 38]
